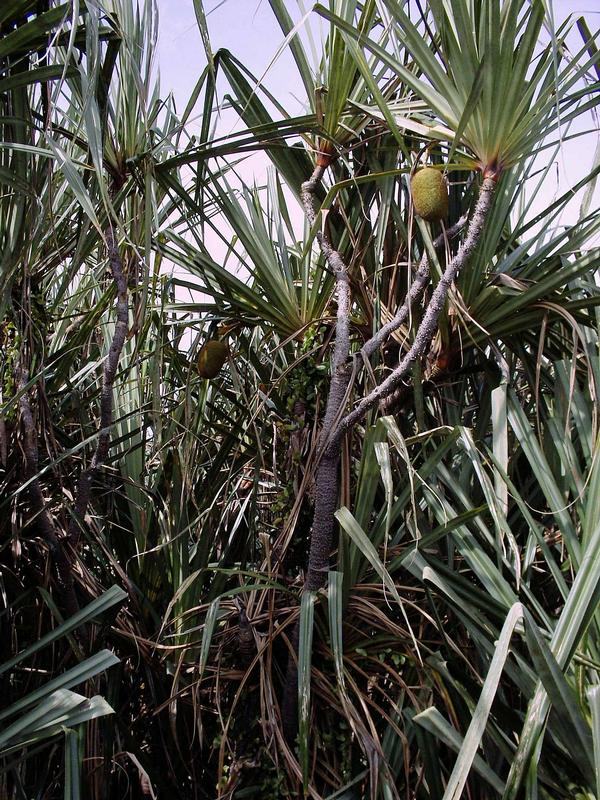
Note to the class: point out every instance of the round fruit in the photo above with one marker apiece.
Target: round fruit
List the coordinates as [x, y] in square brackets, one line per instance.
[212, 357]
[429, 194]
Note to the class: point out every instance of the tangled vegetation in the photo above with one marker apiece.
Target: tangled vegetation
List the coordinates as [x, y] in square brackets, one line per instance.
[299, 491]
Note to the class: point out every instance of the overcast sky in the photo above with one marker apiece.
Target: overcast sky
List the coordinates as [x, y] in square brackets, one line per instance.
[249, 30]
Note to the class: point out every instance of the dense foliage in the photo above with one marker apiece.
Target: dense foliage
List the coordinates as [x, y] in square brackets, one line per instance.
[157, 510]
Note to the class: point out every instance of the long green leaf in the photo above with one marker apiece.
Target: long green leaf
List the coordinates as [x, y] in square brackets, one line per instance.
[307, 611]
[98, 606]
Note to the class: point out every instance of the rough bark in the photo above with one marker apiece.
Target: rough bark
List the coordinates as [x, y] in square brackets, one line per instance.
[326, 481]
[327, 476]
[417, 287]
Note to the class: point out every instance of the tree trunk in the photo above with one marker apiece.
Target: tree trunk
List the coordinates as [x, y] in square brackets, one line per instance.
[327, 475]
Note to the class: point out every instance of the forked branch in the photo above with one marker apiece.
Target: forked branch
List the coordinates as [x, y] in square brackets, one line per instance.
[327, 476]
[326, 479]
[417, 287]
[428, 325]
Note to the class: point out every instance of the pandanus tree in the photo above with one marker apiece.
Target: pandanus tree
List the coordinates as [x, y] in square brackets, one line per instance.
[482, 55]
[481, 58]
[476, 87]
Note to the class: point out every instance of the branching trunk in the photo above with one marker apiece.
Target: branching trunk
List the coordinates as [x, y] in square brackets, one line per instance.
[428, 325]
[417, 288]
[326, 479]
[327, 471]
[334, 428]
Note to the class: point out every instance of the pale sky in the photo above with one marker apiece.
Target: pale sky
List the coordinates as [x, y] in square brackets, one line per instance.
[249, 30]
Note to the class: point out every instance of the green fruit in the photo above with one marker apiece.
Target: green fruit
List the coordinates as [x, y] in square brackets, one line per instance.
[212, 357]
[429, 194]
